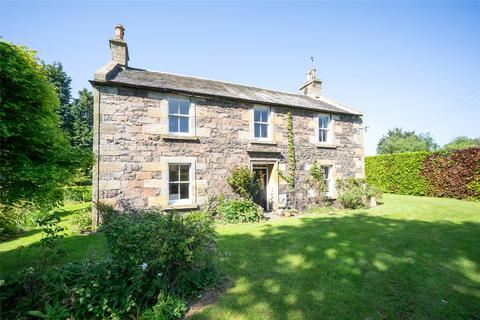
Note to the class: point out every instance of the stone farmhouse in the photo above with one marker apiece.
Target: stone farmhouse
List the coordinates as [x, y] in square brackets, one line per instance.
[169, 141]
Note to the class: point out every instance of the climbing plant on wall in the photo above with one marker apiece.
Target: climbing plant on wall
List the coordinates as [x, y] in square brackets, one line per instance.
[290, 178]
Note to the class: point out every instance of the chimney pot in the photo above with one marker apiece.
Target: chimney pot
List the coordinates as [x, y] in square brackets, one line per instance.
[119, 31]
[119, 47]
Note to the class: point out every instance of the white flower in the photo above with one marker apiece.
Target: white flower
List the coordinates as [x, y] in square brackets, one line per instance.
[144, 266]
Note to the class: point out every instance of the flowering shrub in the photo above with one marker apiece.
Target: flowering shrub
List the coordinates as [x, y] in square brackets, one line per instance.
[239, 211]
[154, 259]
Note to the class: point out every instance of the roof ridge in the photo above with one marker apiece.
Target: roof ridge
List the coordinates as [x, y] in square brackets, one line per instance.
[213, 80]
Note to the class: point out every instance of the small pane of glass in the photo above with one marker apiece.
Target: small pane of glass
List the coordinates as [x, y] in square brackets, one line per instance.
[173, 106]
[263, 130]
[173, 123]
[173, 191]
[184, 192]
[184, 107]
[256, 115]
[184, 172]
[183, 124]
[322, 135]
[323, 122]
[173, 173]
[264, 115]
[257, 130]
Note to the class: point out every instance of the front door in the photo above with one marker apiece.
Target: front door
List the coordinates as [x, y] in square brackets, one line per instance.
[261, 175]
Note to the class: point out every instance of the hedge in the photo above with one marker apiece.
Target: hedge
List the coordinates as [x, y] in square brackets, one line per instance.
[397, 173]
[453, 174]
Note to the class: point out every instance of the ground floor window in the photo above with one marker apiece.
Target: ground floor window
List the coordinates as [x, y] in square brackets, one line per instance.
[327, 174]
[178, 182]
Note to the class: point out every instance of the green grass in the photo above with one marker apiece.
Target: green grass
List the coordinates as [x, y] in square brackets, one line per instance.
[23, 251]
[410, 258]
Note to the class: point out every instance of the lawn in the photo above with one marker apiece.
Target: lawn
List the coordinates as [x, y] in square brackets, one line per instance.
[410, 258]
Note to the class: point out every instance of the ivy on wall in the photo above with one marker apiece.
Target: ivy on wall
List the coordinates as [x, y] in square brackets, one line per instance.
[292, 166]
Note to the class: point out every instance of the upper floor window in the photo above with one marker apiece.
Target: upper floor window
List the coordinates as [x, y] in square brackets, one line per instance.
[178, 115]
[323, 128]
[178, 182]
[261, 122]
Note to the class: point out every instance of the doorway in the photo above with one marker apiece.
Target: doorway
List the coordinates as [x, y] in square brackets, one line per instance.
[261, 175]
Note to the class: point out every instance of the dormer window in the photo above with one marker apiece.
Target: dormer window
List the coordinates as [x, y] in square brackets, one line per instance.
[178, 115]
[261, 117]
[323, 128]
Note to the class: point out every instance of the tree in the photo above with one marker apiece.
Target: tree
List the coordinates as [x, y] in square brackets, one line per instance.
[62, 82]
[36, 157]
[81, 116]
[462, 143]
[397, 141]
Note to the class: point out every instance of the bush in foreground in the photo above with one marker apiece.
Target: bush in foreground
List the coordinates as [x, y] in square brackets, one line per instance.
[355, 193]
[239, 210]
[154, 259]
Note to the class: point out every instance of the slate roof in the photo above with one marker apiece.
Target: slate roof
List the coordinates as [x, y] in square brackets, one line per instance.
[178, 83]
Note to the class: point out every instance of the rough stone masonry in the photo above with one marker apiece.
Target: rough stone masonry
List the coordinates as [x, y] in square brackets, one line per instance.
[137, 151]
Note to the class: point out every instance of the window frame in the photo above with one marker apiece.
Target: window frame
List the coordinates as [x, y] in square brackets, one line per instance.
[328, 178]
[179, 115]
[327, 129]
[269, 136]
[179, 182]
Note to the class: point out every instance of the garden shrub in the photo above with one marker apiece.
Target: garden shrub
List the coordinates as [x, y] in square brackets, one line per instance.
[154, 259]
[82, 221]
[78, 193]
[167, 307]
[239, 210]
[397, 173]
[317, 179]
[355, 193]
[242, 180]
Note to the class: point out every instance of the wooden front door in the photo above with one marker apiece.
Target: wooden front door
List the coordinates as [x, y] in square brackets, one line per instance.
[261, 175]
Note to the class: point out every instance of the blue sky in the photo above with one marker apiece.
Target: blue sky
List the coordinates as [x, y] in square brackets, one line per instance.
[414, 65]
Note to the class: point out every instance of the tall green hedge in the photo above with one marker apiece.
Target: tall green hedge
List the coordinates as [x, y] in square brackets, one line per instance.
[452, 174]
[397, 173]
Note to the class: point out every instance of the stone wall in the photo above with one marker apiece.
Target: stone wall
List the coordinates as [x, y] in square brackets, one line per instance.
[133, 148]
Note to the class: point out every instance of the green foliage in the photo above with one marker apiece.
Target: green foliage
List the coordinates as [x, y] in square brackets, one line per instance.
[292, 165]
[462, 143]
[81, 115]
[242, 180]
[82, 221]
[454, 173]
[166, 308]
[397, 173]
[355, 193]
[243, 210]
[52, 234]
[55, 311]
[398, 141]
[37, 159]
[154, 259]
[317, 179]
[78, 193]
[62, 83]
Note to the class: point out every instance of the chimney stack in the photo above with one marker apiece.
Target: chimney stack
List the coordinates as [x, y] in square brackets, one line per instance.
[119, 47]
[312, 87]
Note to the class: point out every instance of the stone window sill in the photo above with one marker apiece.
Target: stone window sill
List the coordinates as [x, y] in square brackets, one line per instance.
[270, 143]
[181, 207]
[178, 137]
[326, 146]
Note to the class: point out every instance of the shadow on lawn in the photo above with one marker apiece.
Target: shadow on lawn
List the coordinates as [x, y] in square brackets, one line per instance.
[353, 267]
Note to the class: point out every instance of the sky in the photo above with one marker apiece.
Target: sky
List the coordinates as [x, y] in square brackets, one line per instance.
[414, 65]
